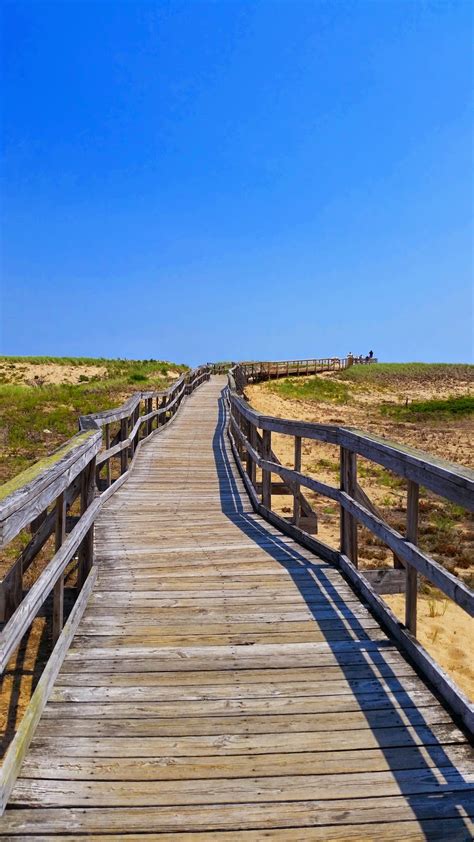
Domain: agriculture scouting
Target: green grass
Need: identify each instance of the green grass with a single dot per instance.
(311, 389)
(386, 374)
(35, 419)
(454, 406)
(115, 369)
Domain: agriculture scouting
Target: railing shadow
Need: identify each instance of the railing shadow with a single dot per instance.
(362, 661)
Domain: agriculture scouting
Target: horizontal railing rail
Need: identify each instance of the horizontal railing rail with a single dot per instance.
(253, 449)
(256, 371)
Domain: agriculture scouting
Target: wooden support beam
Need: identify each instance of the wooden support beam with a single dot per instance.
(266, 475)
(58, 590)
(12, 591)
(86, 550)
(124, 452)
(253, 442)
(149, 408)
(348, 522)
(411, 584)
(249, 460)
(296, 492)
(108, 472)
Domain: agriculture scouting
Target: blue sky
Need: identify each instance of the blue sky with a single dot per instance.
(198, 181)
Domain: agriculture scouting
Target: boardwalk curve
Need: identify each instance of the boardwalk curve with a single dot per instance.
(224, 683)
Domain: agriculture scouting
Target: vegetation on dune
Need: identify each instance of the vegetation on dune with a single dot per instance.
(37, 418)
(310, 389)
(463, 405)
(389, 374)
(119, 369)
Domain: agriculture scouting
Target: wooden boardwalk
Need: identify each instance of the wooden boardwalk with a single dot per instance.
(225, 684)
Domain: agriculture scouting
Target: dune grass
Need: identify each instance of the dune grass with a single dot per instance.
(386, 374)
(311, 389)
(35, 419)
(454, 406)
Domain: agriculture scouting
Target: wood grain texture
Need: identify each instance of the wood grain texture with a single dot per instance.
(226, 683)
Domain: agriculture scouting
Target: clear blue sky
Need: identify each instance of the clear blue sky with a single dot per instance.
(196, 181)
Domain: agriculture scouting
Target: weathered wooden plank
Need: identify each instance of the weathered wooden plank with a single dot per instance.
(306, 685)
(121, 745)
(437, 830)
(53, 793)
(38, 765)
(243, 724)
(249, 815)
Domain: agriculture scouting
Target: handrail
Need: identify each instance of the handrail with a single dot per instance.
(453, 482)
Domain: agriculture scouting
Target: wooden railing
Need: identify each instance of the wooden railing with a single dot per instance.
(40, 498)
(251, 439)
(256, 371)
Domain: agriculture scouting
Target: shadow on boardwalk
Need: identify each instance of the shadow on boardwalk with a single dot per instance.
(319, 594)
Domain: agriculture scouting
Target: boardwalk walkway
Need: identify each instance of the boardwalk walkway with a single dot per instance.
(225, 684)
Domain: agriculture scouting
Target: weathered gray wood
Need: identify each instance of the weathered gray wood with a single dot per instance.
(445, 686)
(454, 482)
(11, 590)
(386, 580)
(58, 590)
(447, 479)
(180, 537)
(411, 592)
(289, 475)
(124, 441)
(348, 465)
(86, 549)
(19, 746)
(296, 498)
(10, 586)
(16, 626)
(266, 474)
(453, 587)
(38, 486)
(149, 414)
(108, 468)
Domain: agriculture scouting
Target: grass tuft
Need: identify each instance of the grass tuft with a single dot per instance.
(36, 418)
(455, 406)
(388, 374)
(311, 389)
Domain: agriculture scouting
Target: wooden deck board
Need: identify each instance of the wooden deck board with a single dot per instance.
(226, 684)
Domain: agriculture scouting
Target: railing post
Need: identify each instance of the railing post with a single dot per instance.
(411, 582)
(134, 419)
(249, 460)
(58, 590)
(149, 408)
(253, 441)
(123, 453)
(108, 467)
(348, 522)
(266, 475)
(86, 550)
(240, 446)
(296, 491)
